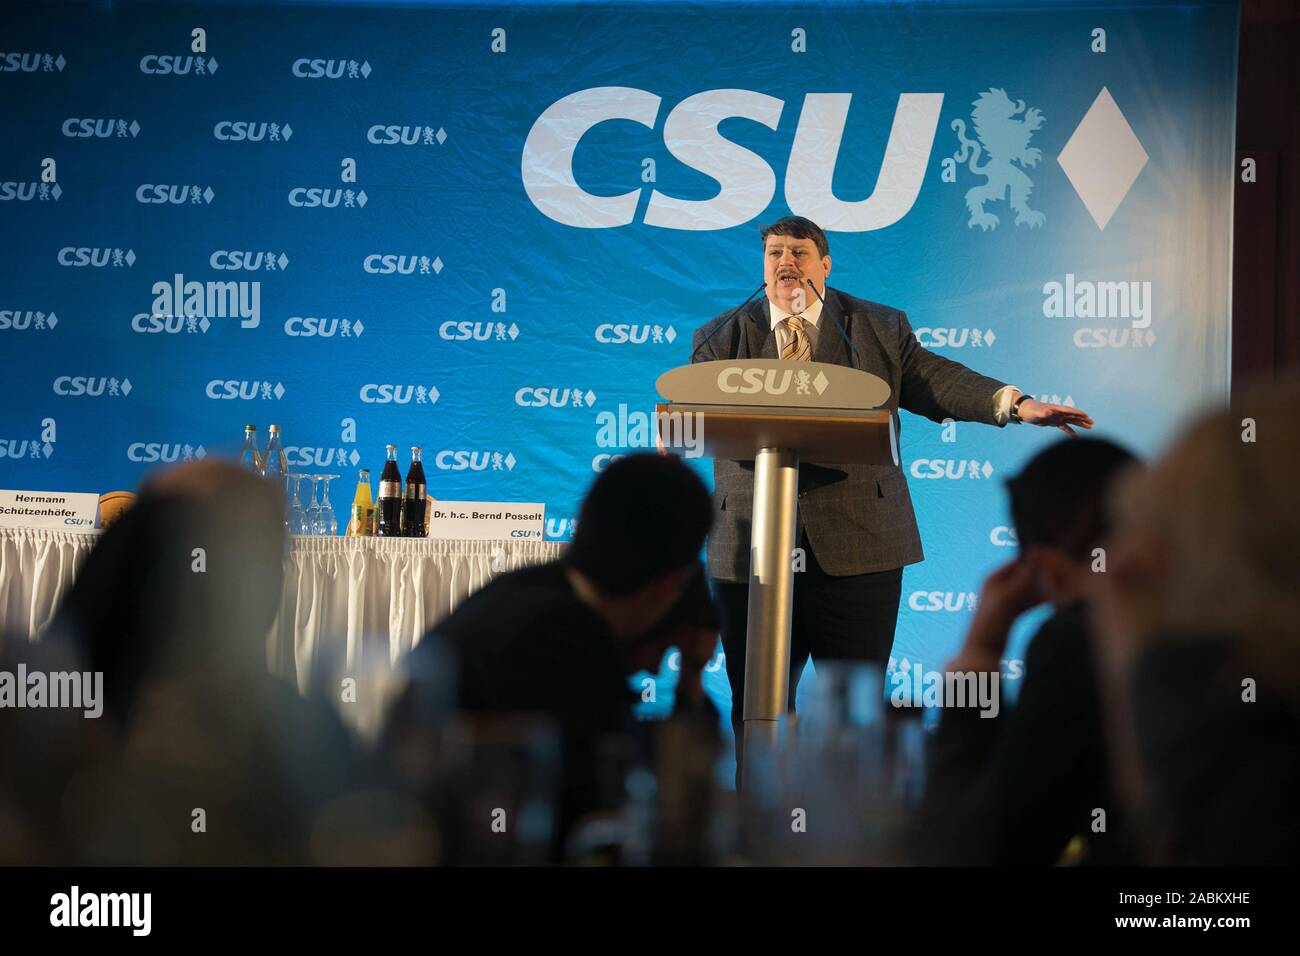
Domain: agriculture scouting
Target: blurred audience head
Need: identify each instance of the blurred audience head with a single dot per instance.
(187, 580)
(174, 607)
(638, 539)
(1208, 539)
(1197, 624)
(1059, 509)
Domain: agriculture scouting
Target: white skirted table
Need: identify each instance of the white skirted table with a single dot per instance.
(345, 599)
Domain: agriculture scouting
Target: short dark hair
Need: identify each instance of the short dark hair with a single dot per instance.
(797, 227)
(645, 515)
(1059, 499)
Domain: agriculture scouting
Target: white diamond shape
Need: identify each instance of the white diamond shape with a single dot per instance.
(433, 394)
(510, 460)
(357, 327)
(440, 136)
(1150, 337)
(1102, 158)
(361, 199)
(283, 261)
(135, 129)
(279, 391)
(208, 194)
(130, 257)
(52, 320)
(670, 334)
(365, 69)
(204, 324)
(126, 386)
(513, 331)
(212, 64)
(60, 62)
(286, 131)
(200, 452)
(987, 469)
(48, 449)
(590, 397)
(57, 191)
(989, 337)
(437, 264)
(354, 458)
(820, 382)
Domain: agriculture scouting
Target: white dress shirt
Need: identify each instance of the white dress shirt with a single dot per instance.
(1002, 398)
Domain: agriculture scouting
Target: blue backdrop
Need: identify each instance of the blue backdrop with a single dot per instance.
(478, 228)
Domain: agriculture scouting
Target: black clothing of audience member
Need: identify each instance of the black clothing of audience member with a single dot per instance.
(1224, 772)
(1016, 788)
(1020, 785)
(526, 643)
(561, 639)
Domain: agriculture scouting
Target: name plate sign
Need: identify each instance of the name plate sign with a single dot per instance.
(487, 520)
(70, 510)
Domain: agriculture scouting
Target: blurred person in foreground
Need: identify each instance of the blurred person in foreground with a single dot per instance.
(1018, 787)
(203, 756)
(1198, 622)
(560, 640)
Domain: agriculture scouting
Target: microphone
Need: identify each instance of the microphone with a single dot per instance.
(723, 324)
(826, 311)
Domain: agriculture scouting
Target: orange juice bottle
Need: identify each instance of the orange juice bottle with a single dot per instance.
(361, 521)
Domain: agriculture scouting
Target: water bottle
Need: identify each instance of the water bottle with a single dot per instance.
(274, 465)
(249, 457)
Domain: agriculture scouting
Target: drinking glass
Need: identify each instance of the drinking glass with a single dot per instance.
(327, 523)
(313, 509)
(294, 521)
(835, 767)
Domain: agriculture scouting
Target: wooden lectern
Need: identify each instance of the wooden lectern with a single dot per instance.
(775, 413)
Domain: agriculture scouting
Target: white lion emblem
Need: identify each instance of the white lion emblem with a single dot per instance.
(1005, 141)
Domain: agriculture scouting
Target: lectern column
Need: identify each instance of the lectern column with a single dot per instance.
(771, 594)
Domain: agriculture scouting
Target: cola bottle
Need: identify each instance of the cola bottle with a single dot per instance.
(388, 508)
(415, 500)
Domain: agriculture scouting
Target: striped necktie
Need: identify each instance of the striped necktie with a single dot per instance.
(797, 348)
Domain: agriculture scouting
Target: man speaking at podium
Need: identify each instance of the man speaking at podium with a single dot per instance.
(854, 522)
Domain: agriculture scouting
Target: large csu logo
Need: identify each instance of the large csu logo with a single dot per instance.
(747, 181)
(1101, 159)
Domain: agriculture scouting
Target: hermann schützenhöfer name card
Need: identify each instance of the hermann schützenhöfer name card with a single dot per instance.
(70, 510)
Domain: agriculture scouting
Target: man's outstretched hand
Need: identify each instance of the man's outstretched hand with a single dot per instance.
(1034, 412)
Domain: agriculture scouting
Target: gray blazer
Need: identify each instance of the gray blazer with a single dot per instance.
(858, 518)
